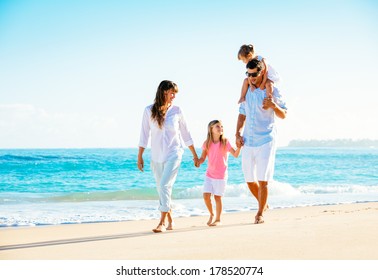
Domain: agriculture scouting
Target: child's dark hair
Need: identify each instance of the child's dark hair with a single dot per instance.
(246, 51)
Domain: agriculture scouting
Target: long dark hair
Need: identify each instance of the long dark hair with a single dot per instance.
(160, 107)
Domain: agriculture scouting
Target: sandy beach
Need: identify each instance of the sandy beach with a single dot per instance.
(334, 232)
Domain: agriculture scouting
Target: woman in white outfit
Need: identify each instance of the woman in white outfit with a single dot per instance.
(166, 125)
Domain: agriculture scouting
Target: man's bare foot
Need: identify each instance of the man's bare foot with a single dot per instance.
(170, 225)
(159, 228)
(216, 223)
(259, 220)
(210, 221)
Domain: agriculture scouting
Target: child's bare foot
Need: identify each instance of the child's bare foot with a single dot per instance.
(216, 223)
(210, 221)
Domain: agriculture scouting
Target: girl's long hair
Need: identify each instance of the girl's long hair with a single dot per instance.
(210, 139)
(160, 107)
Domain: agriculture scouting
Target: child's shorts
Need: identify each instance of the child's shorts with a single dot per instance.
(214, 186)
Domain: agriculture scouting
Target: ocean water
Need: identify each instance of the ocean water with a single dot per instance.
(64, 186)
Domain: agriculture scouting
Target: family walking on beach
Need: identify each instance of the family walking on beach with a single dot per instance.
(260, 103)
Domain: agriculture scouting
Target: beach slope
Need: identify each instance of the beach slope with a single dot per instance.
(332, 232)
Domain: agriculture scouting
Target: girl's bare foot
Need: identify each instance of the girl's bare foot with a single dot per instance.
(210, 221)
(216, 223)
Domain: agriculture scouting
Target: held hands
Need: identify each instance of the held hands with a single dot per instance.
(196, 162)
(239, 141)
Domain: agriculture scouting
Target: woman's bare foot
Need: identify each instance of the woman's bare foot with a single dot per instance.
(210, 221)
(159, 228)
(216, 223)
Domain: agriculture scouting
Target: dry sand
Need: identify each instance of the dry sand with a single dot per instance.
(337, 232)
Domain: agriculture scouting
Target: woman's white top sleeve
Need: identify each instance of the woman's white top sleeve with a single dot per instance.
(166, 142)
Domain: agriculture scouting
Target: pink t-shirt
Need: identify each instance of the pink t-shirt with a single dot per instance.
(217, 157)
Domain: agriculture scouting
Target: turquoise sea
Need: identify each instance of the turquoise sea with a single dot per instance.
(63, 186)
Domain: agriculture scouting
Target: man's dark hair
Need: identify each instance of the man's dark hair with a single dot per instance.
(255, 63)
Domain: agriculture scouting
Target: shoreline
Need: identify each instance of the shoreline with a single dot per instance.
(326, 232)
(71, 213)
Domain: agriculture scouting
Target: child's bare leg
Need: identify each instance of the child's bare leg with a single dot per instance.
(207, 199)
(243, 90)
(219, 207)
(269, 90)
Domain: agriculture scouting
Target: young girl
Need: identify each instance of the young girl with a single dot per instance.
(216, 148)
(270, 76)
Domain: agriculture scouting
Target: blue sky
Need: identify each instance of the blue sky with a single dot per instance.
(79, 73)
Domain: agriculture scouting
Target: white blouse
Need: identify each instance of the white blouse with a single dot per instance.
(166, 142)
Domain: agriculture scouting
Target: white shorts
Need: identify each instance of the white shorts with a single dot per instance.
(214, 186)
(258, 162)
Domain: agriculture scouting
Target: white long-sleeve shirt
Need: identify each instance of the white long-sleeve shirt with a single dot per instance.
(166, 143)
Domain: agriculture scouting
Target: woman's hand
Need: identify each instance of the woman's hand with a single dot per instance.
(196, 162)
(140, 164)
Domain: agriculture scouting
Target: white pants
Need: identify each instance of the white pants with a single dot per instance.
(165, 176)
(258, 162)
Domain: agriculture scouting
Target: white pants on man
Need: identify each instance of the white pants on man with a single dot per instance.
(258, 162)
